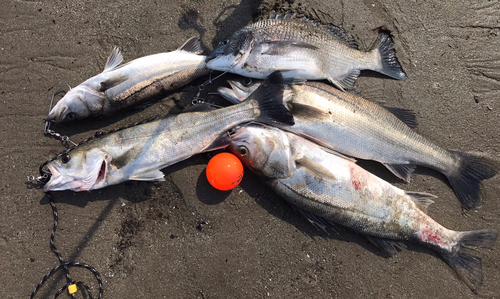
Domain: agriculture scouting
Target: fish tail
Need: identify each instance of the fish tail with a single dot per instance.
(390, 64)
(466, 178)
(468, 267)
(271, 102)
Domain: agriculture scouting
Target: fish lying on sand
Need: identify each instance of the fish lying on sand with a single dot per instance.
(122, 86)
(358, 128)
(300, 48)
(139, 152)
(337, 190)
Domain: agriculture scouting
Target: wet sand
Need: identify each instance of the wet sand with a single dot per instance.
(183, 239)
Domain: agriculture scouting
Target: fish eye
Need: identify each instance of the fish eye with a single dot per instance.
(70, 116)
(247, 82)
(243, 151)
(65, 158)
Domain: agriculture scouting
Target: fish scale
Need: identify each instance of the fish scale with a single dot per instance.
(331, 53)
(339, 191)
(122, 86)
(379, 135)
(299, 48)
(139, 152)
(361, 129)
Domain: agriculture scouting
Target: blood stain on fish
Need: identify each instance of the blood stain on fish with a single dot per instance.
(430, 237)
(356, 183)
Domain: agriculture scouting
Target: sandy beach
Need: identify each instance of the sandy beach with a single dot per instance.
(183, 239)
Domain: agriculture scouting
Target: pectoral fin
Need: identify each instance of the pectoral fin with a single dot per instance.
(325, 146)
(317, 168)
(153, 175)
(222, 142)
(294, 80)
(112, 82)
(308, 112)
(127, 157)
(277, 47)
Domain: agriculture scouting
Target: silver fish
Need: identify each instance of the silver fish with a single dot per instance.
(122, 86)
(330, 188)
(300, 48)
(139, 152)
(358, 128)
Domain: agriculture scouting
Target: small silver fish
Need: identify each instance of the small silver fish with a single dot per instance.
(122, 86)
(139, 152)
(299, 48)
(336, 190)
(361, 129)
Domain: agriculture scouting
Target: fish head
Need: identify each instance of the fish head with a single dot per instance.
(263, 149)
(78, 170)
(77, 103)
(240, 89)
(231, 51)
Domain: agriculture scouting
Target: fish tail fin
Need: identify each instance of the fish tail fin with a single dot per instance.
(390, 64)
(467, 177)
(468, 267)
(270, 99)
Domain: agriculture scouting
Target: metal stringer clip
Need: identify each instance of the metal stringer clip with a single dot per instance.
(197, 100)
(47, 131)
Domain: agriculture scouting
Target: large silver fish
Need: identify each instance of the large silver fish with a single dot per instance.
(359, 128)
(299, 48)
(139, 152)
(338, 191)
(122, 86)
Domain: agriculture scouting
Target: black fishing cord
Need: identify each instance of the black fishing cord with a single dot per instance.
(71, 286)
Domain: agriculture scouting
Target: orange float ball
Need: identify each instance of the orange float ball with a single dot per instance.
(224, 171)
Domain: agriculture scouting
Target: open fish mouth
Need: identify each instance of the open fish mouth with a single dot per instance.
(237, 91)
(59, 181)
(234, 94)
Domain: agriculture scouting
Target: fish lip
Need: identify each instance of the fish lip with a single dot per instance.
(211, 56)
(55, 115)
(54, 178)
(218, 51)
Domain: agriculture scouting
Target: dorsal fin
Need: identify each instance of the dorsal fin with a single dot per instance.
(339, 33)
(405, 115)
(114, 59)
(192, 45)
